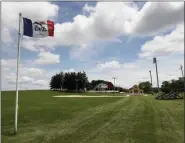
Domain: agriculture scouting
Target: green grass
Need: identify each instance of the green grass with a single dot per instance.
(136, 119)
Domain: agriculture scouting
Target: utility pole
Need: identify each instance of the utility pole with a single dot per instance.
(155, 62)
(114, 83)
(151, 80)
(181, 68)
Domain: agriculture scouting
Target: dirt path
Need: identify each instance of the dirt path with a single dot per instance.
(88, 96)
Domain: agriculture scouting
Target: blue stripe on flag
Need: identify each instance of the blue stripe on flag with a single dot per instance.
(28, 28)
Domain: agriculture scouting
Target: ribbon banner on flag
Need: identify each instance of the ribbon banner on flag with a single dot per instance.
(38, 29)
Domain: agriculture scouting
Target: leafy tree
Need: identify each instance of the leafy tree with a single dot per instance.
(70, 81)
(52, 82)
(55, 82)
(165, 87)
(145, 86)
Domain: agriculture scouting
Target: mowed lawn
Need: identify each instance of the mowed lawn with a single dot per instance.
(136, 119)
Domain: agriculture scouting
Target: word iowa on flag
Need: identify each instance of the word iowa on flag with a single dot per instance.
(38, 29)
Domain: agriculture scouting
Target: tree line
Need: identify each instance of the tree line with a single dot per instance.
(166, 86)
(78, 81)
(172, 85)
(70, 81)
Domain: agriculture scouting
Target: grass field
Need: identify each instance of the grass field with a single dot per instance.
(133, 119)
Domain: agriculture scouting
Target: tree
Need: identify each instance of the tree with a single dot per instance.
(172, 85)
(52, 83)
(145, 86)
(70, 81)
(55, 82)
(62, 80)
(165, 87)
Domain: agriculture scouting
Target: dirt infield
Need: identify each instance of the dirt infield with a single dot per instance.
(87, 96)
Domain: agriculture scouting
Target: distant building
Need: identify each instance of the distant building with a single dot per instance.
(101, 86)
(136, 90)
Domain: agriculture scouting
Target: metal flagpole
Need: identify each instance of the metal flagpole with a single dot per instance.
(17, 79)
(151, 80)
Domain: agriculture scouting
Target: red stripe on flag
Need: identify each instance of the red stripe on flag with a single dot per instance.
(50, 28)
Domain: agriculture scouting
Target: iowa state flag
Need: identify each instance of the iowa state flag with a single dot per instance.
(38, 29)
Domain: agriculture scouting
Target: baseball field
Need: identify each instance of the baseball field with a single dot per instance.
(43, 118)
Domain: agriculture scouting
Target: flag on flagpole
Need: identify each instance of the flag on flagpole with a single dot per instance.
(38, 29)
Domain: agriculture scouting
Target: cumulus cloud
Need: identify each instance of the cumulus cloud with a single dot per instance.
(172, 43)
(32, 10)
(158, 16)
(109, 65)
(106, 21)
(47, 58)
(69, 70)
(29, 77)
(109, 20)
(131, 73)
(40, 82)
(9, 63)
(11, 79)
(6, 38)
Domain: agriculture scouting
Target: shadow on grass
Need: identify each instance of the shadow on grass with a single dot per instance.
(8, 133)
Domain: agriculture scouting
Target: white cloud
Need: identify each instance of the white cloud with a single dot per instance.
(69, 70)
(172, 43)
(9, 63)
(129, 65)
(31, 10)
(47, 58)
(108, 65)
(40, 82)
(112, 19)
(88, 9)
(31, 78)
(25, 79)
(35, 44)
(157, 16)
(11, 79)
(6, 36)
(138, 71)
(106, 21)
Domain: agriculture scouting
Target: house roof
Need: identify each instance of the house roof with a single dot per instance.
(101, 85)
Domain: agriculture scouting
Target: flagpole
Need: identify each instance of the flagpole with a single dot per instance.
(17, 79)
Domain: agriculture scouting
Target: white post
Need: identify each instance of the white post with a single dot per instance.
(114, 83)
(17, 79)
(151, 81)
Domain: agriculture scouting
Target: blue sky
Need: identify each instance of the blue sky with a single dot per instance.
(104, 39)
